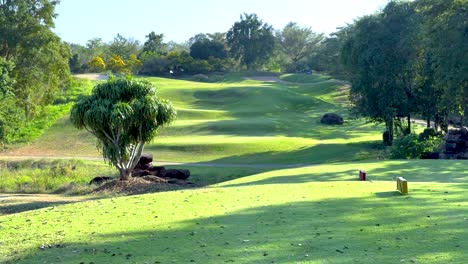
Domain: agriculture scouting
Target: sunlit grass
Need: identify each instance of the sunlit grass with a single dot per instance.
(318, 214)
(239, 121)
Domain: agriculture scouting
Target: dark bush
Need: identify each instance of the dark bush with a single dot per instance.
(410, 147)
(427, 133)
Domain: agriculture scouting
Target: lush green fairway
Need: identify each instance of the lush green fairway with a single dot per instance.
(252, 211)
(318, 214)
(239, 121)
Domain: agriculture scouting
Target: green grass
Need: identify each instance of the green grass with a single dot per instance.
(317, 214)
(239, 121)
(248, 122)
(251, 210)
(45, 176)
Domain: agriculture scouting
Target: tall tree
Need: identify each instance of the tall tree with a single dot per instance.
(297, 42)
(378, 55)
(446, 36)
(251, 41)
(203, 47)
(154, 43)
(123, 47)
(123, 114)
(40, 57)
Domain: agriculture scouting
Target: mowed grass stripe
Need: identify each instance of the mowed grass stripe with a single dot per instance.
(242, 118)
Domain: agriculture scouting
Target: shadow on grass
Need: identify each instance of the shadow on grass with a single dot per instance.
(17, 203)
(318, 154)
(27, 206)
(333, 230)
(440, 171)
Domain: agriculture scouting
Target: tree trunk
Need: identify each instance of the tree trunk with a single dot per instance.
(428, 123)
(465, 105)
(125, 174)
(389, 126)
(409, 125)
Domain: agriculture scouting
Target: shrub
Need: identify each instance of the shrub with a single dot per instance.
(411, 147)
(428, 133)
(96, 64)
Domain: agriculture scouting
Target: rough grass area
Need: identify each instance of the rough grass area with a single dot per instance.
(46, 176)
(318, 214)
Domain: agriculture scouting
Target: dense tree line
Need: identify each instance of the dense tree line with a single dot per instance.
(409, 59)
(250, 44)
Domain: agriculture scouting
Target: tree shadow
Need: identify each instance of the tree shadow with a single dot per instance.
(317, 154)
(27, 206)
(331, 230)
(18, 203)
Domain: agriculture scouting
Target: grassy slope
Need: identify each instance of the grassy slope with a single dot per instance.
(238, 121)
(254, 122)
(316, 214)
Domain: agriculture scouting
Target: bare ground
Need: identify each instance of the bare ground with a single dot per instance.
(92, 76)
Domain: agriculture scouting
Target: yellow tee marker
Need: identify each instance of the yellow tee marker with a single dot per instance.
(402, 185)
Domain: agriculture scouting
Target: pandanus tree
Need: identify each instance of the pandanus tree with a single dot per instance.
(123, 114)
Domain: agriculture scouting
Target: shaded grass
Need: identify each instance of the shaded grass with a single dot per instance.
(304, 78)
(311, 218)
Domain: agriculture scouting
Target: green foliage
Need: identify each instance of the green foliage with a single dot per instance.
(133, 64)
(96, 64)
(204, 47)
(154, 44)
(116, 64)
(75, 64)
(412, 146)
(33, 128)
(15, 129)
(6, 79)
(40, 57)
(444, 32)
(297, 43)
(123, 47)
(181, 63)
(378, 54)
(251, 41)
(429, 133)
(410, 58)
(123, 114)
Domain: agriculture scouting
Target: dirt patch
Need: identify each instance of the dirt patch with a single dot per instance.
(141, 185)
(92, 76)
